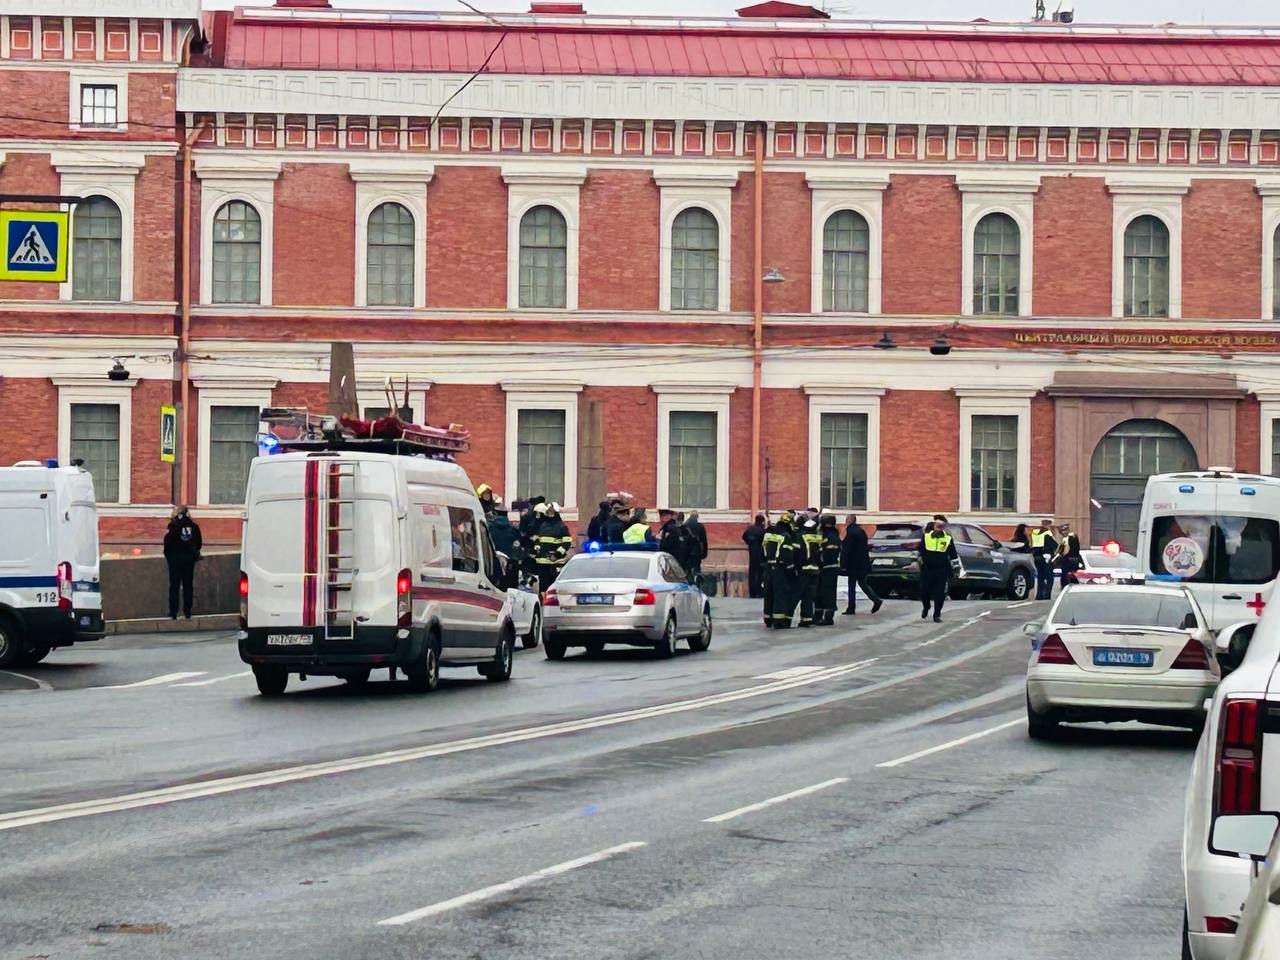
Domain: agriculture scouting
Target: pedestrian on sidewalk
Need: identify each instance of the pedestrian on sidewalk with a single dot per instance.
(182, 544)
(855, 558)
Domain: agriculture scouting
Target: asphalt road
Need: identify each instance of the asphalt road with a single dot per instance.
(865, 790)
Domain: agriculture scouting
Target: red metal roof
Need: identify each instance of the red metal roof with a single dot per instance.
(329, 40)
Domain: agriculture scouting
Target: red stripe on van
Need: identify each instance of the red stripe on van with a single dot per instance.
(310, 543)
(458, 596)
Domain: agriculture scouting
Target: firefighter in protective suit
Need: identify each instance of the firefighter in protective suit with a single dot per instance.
(779, 546)
(810, 564)
(829, 573)
(551, 546)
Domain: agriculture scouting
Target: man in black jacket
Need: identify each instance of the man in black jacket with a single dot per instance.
(855, 559)
(698, 548)
(182, 543)
(753, 537)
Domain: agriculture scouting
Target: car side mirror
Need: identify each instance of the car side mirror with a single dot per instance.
(1247, 835)
(1232, 643)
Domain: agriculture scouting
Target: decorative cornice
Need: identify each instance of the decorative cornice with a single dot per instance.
(1136, 185)
(846, 180)
(565, 175)
(389, 170)
(696, 177)
(999, 181)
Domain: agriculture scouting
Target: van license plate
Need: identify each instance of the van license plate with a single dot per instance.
(288, 639)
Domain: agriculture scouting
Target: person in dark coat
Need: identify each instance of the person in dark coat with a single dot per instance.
(1068, 560)
(674, 538)
(698, 548)
(753, 537)
(855, 560)
(938, 555)
(595, 529)
(182, 544)
(1044, 548)
(829, 572)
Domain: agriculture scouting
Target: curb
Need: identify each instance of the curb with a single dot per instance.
(217, 621)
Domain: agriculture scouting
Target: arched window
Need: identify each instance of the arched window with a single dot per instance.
(997, 245)
(846, 240)
(1146, 268)
(1275, 276)
(544, 240)
(237, 253)
(695, 261)
(95, 251)
(390, 257)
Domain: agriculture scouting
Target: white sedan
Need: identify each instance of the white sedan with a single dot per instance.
(1113, 652)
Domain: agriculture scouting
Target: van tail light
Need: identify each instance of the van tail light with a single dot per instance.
(550, 598)
(1239, 772)
(244, 600)
(1053, 650)
(644, 598)
(1192, 657)
(404, 599)
(65, 585)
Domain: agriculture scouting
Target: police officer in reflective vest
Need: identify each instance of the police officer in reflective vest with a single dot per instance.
(810, 569)
(830, 572)
(937, 553)
(1043, 547)
(779, 545)
(638, 530)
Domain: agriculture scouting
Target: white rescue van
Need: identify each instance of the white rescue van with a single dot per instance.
(1218, 532)
(50, 594)
(356, 559)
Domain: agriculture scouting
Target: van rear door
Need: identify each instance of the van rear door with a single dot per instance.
(83, 555)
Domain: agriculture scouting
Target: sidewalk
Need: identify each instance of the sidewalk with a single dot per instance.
(216, 621)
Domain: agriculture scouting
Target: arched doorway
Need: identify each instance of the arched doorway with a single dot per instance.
(1123, 460)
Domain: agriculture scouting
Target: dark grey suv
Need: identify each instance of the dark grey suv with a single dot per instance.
(990, 567)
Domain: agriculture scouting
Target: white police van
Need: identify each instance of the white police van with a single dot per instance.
(1217, 532)
(50, 594)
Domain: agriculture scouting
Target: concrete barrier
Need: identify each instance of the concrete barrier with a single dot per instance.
(137, 588)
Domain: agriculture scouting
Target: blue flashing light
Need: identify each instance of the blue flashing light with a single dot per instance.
(1247, 491)
(268, 443)
(51, 463)
(593, 546)
(1186, 488)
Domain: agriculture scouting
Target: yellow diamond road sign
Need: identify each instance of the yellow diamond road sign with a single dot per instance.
(35, 245)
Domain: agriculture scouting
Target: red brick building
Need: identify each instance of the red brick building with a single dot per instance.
(702, 233)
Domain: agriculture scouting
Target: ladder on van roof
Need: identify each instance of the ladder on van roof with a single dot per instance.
(340, 570)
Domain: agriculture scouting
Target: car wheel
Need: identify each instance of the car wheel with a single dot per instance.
(358, 680)
(958, 593)
(1019, 585)
(271, 680)
(33, 655)
(553, 648)
(594, 648)
(500, 670)
(534, 636)
(1195, 722)
(10, 642)
(702, 641)
(666, 646)
(424, 676)
(1186, 937)
(1040, 726)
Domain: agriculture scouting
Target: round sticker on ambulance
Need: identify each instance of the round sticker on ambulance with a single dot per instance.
(1183, 557)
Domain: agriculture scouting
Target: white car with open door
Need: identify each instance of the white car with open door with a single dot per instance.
(1236, 772)
(1120, 652)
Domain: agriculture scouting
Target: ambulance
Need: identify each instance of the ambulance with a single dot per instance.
(1217, 532)
(50, 594)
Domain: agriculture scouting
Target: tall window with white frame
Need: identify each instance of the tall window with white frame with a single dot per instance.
(99, 105)
(695, 261)
(95, 439)
(237, 253)
(691, 470)
(997, 246)
(1146, 268)
(540, 454)
(389, 257)
(993, 469)
(95, 250)
(846, 246)
(843, 449)
(544, 257)
(233, 443)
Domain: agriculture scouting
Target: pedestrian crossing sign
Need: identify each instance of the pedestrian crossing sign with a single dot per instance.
(168, 433)
(35, 245)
